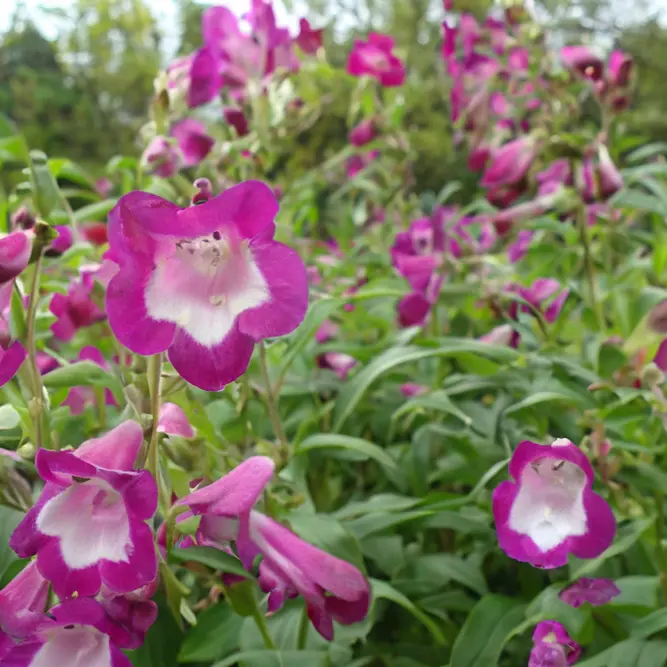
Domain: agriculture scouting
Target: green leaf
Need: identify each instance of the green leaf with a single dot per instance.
(82, 373)
(650, 625)
(332, 441)
(213, 558)
(485, 631)
(96, 212)
(630, 653)
(354, 390)
(277, 659)
(539, 398)
(381, 589)
(438, 401)
(214, 637)
(443, 568)
(9, 519)
(46, 194)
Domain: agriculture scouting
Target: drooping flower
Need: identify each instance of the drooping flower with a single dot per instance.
(162, 157)
(23, 601)
(332, 588)
(309, 40)
(77, 633)
(375, 58)
(79, 397)
(195, 144)
(15, 250)
(550, 509)
(510, 163)
(339, 362)
(237, 119)
(76, 309)
(88, 526)
(596, 592)
(554, 634)
(228, 499)
(173, 421)
(205, 282)
(363, 133)
(63, 241)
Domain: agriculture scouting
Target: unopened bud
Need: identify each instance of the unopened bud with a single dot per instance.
(27, 451)
(652, 376)
(657, 320)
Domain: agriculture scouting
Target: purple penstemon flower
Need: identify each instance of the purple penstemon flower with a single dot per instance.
(550, 509)
(203, 283)
(77, 633)
(172, 420)
(193, 140)
(76, 309)
(553, 646)
(88, 526)
(23, 601)
(596, 592)
(375, 57)
(78, 397)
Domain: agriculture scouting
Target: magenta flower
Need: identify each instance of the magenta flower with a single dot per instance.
(75, 310)
(413, 309)
(338, 362)
(583, 60)
(596, 592)
(12, 353)
(162, 157)
(501, 335)
(550, 510)
(205, 282)
(610, 179)
(237, 119)
(77, 633)
(619, 69)
(23, 602)
(411, 389)
(222, 503)
(554, 634)
(510, 163)
(363, 133)
(103, 187)
(309, 40)
(546, 654)
(332, 588)
(15, 250)
(63, 241)
(538, 295)
(195, 78)
(195, 144)
(135, 612)
(326, 331)
(22, 218)
(173, 421)
(375, 58)
(517, 250)
(79, 397)
(88, 526)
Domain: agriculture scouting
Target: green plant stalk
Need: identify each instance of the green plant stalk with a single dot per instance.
(263, 628)
(272, 402)
(589, 268)
(154, 385)
(660, 550)
(304, 625)
(38, 413)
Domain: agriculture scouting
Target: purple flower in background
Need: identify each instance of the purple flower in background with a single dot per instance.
(338, 362)
(375, 58)
(103, 187)
(309, 40)
(546, 654)
(135, 612)
(88, 526)
(411, 389)
(596, 592)
(79, 397)
(205, 282)
(162, 157)
(610, 179)
(15, 251)
(326, 331)
(63, 241)
(583, 60)
(173, 421)
(517, 250)
(550, 509)
(509, 163)
(23, 601)
(12, 353)
(363, 133)
(237, 119)
(195, 77)
(332, 588)
(552, 633)
(75, 310)
(195, 144)
(537, 295)
(619, 69)
(77, 633)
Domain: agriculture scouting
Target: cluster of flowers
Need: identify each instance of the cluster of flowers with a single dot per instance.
(508, 103)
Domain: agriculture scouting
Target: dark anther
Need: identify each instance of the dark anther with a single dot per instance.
(69, 627)
(559, 465)
(217, 236)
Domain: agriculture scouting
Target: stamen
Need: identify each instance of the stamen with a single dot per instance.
(558, 466)
(217, 300)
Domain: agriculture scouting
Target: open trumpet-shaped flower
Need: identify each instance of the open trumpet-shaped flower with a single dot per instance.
(23, 602)
(89, 525)
(550, 510)
(205, 282)
(78, 633)
(553, 646)
(332, 588)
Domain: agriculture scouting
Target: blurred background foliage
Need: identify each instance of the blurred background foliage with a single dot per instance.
(84, 95)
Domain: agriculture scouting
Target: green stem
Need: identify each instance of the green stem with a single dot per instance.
(304, 625)
(154, 383)
(272, 402)
(659, 534)
(263, 628)
(38, 413)
(589, 268)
